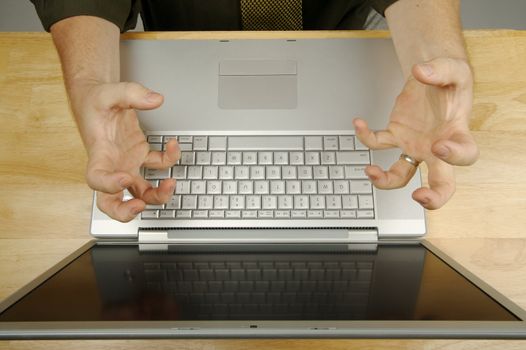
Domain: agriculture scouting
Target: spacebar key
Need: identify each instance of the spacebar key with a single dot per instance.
(263, 143)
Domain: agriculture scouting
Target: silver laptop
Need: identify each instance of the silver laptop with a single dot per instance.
(273, 229)
(267, 141)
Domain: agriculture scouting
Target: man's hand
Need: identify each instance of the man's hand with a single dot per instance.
(429, 122)
(117, 148)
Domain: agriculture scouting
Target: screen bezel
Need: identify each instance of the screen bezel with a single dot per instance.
(265, 329)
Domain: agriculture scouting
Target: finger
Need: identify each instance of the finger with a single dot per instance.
(153, 195)
(129, 95)
(398, 175)
(166, 159)
(459, 149)
(443, 72)
(101, 179)
(441, 178)
(116, 208)
(373, 139)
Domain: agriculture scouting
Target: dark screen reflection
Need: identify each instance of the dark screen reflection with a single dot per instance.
(391, 282)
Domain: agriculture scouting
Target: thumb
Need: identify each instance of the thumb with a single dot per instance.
(459, 149)
(444, 71)
(130, 95)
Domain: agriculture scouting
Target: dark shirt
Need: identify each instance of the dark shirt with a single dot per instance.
(192, 15)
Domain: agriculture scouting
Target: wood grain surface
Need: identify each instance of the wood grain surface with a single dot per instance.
(45, 204)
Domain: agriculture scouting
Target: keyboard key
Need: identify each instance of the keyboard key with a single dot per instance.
(217, 143)
(241, 172)
(350, 202)
(185, 146)
(352, 157)
(182, 187)
(245, 187)
(174, 202)
(234, 158)
(269, 202)
(183, 214)
(315, 214)
(301, 202)
(203, 158)
(285, 202)
(355, 172)
(309, 187)
(218, 158)
(281, 158)
(229, 187)
(341, 187)
(257, 173)
(317, 202)
(265, 158)
(185, 139)
(189, 202)
(348, 214)
(361, 187)
(331, 214)
(330, 143)
(253, 202)
(166, 214)
(179, 172)
(150, 174)
(273, 172)
(187, 158)
(333, 202)
(304, 172)
(365, 214)
(365, 201)
(325, 187)
(336, 172)
(249, 214)
(292, 187)
(210, 172)
(155, 139)
(277, 187)
(200, 143)
(205, 202)
(226, 172)
(221, 202)
(150, 214)
(213, 187)
(282, 214)
(156, 147)
(347, 143)
(312, 158)
(328, 158)
(296, 158)
(216, 214)
(250, 158)
(313, 143)
(359, 146)
(261, 187)
(195, 172)
(237, 202)
(288, 172)
(298, 214)
(198, 187)
(200, 214)
(265, 214)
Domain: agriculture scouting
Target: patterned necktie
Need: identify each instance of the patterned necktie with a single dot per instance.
(271, 14)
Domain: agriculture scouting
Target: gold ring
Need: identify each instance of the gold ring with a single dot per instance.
(410, 160)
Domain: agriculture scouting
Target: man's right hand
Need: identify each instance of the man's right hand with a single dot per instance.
(117, 147)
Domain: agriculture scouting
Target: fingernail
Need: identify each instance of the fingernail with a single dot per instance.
(424, 201)
(152, 96)
(442, 151)
(427, 69)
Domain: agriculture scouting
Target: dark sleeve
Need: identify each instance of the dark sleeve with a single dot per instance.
(381, 5)
(121, 12)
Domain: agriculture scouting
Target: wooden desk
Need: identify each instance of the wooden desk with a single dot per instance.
(45, 204)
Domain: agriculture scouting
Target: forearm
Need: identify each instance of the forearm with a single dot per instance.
(89, 52)
(425, 29)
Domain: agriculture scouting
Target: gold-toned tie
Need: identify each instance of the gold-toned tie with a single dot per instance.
(271, 14)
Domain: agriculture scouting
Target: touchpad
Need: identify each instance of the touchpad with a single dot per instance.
(258, 84)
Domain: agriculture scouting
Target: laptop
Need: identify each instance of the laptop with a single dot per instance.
(273, 229)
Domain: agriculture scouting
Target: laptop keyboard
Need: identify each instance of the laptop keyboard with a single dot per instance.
(265, 178)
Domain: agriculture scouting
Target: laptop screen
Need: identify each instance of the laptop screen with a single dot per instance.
(333, 282)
